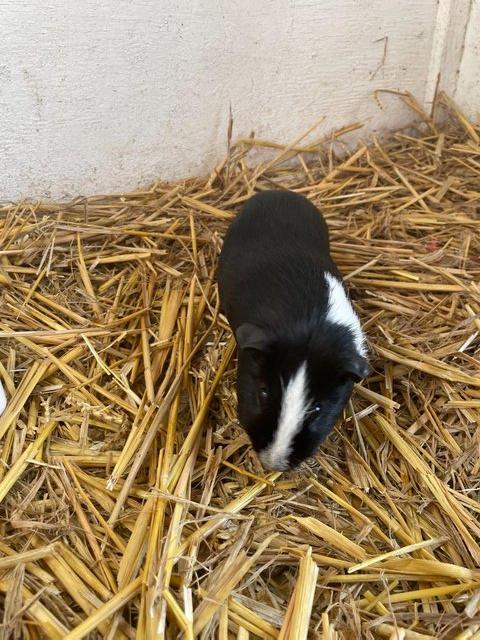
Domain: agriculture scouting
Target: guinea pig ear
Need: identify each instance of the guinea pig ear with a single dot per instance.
(357, 368)
(249, 336)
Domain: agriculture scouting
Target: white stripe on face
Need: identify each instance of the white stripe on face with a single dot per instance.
(340, 311)
(292, 414)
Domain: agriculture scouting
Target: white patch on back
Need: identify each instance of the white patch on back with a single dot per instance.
(340, 311)
(292, 414)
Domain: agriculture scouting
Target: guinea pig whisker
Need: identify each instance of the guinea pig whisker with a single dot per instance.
(311, 410)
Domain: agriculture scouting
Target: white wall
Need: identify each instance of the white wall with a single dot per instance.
(105, 95)
(468, 87)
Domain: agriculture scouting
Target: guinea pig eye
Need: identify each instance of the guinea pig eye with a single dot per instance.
(316, 408)
(313, 414)
(262, 396)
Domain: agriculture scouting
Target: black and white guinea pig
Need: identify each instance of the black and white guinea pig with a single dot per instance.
(300, 343)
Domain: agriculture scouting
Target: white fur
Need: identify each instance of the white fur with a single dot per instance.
(3, 399)
(340, 311)
(292, 413)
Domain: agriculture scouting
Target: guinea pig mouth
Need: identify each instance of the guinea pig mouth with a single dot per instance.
(270, 464)
(276, 467)
(274, 464)
(296, 464)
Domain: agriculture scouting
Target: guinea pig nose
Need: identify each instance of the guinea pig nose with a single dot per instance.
(272, 464)
(264, 460)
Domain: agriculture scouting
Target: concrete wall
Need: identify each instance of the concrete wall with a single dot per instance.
(105, 95)
(467, 92)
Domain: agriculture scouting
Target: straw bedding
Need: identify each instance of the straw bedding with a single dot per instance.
(130, 502)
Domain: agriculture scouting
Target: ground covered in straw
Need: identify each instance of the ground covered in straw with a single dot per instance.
(130, 502)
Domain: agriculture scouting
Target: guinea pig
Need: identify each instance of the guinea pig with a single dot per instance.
(300, 346)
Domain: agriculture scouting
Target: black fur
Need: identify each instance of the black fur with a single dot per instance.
(273, 292)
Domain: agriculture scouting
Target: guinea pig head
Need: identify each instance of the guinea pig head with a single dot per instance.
(292, 392)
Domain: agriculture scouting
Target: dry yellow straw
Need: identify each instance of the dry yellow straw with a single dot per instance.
(121, 446)
(299, 611)
(105, 611)
(397, 552)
